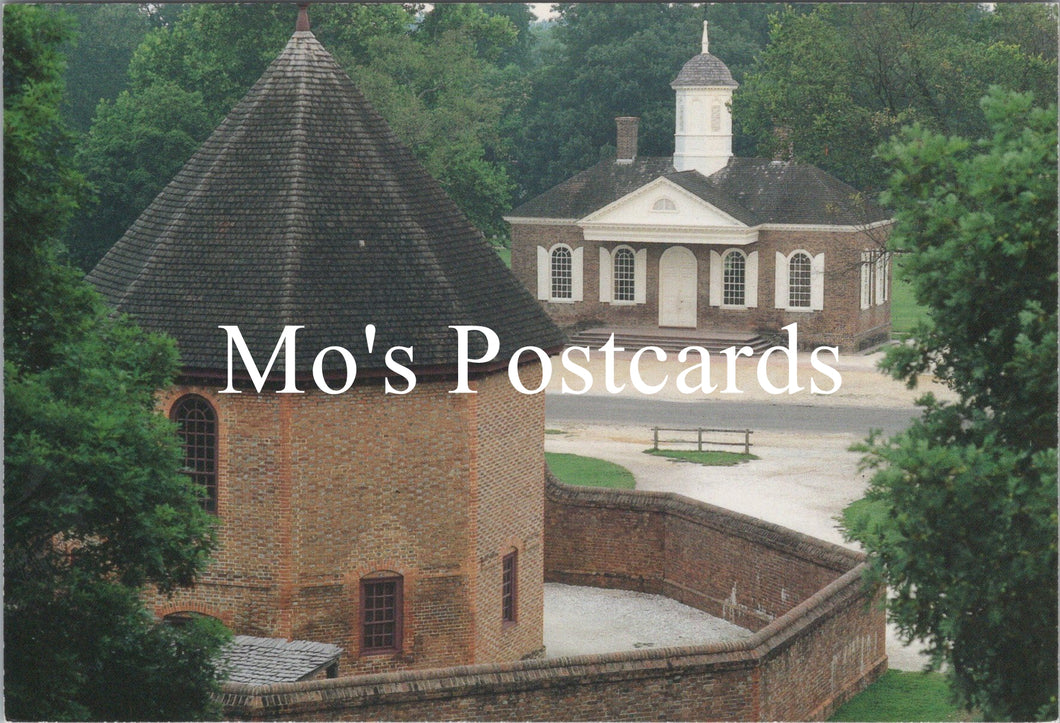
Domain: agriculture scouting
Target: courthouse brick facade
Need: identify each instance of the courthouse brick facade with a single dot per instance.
(842, 321)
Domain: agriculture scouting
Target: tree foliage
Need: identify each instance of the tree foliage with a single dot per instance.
(834, 83)
(962, 514)
(444, 97)
(438, 83)
(95, 506)
(136, 144)
(99, 52)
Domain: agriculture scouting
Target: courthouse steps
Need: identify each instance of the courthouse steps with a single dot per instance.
(669, 340)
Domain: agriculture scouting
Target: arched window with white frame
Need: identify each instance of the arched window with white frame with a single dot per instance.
(734, 278)
(799, 271)
(623, 275)
(799, 281)
(625, 278)
(559, 273)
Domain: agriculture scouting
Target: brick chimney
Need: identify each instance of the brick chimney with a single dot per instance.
(784, 150)
(627, 139)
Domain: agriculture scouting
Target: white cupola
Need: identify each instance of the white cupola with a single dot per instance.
(703, 137)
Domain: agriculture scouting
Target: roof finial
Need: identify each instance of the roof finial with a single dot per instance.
(706, 43)
(303, 18)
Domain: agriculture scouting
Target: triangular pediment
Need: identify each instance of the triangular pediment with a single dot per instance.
(662, 203)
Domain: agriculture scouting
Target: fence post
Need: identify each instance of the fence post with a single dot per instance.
(655, 432)
(747, 441)
(699, 439)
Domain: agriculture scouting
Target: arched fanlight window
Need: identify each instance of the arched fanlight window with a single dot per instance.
(197, 428)
(664, 204)
(799, 287)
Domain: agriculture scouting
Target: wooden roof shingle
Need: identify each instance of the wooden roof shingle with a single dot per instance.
(753, 190)
(303, 208)
(704, 70)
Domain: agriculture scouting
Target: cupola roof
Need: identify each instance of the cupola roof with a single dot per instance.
(303, 208)
(704, 70)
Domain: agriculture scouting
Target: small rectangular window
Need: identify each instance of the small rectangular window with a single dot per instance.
(381, 614)
(509, 589)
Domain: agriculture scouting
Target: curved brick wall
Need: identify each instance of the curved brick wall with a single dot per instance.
(819, 635)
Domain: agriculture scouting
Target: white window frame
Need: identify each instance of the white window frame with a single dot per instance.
(544, 274)
(716, 291)
(631, 271)
(607, 276)
(866, 279)
(880, 270)
(781, 295)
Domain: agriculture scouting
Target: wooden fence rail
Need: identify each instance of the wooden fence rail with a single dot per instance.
(699, 441)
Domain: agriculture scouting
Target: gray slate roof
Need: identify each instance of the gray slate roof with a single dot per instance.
(704, 70)
(303, 208)
(263, 661)
(752, 190)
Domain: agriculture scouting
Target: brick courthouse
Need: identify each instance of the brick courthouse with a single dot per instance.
(703, 240)
(405, 528)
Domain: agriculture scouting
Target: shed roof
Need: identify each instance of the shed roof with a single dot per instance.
(752, 190)
(303, 208)
(263, 661)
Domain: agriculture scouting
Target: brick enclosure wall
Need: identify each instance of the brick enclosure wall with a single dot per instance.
(317, 491)
(813, 649)
(732, 566)
(841, 323)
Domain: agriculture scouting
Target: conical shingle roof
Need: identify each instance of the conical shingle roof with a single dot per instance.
(303, 208)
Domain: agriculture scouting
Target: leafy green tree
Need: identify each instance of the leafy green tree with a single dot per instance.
(106, 37)
(490, 33)
(137, 143)
(961, 518)
(449, 105)
(437, 84)
(95, 506)
(836, 82)
(522, 19)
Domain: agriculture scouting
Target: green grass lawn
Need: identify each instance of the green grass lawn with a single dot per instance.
(709, 458)
(901, 695)
(573, 469)
(904, 310)
(505, 254)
